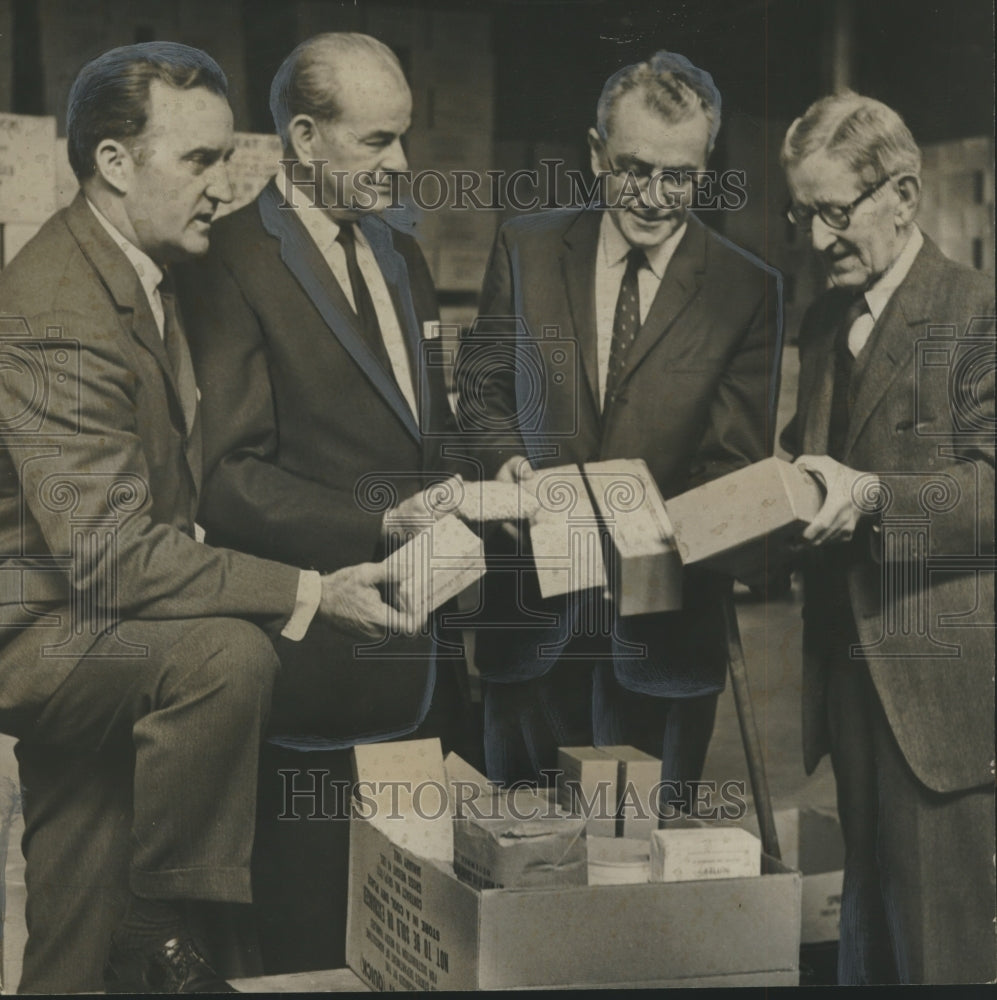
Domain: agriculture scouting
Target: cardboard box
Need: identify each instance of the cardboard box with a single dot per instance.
(811, 842)
(586, 786)
(435, 566)
(521, 840)
(738, 524)
(564, 534)
(638, 776)
(646, 569)
(697, 853)
(414, 925)
(27, 168)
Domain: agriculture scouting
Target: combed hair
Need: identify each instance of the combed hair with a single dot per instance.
(304, 84)
(672, 87)
(109, 98)
(862, 131)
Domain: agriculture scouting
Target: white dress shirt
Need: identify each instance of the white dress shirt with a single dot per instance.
(880, 293)
(610, 266)
(323, 230)
(150, 276)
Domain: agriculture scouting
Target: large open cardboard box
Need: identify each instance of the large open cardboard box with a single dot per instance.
(414, 925)
(811, 841)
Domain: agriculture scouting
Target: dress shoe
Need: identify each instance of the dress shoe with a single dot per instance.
(176, 966)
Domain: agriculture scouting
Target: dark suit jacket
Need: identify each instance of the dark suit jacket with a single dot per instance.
(923, 420)
(695, 403)
(100, 470)
(306, 440)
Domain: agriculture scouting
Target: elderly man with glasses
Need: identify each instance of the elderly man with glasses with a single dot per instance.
(896, 417)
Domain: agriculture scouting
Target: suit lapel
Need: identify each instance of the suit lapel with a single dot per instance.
(581, 241)
(303, 260)
(678, 288)
(892, 342)
(123, 284)
(380, 237)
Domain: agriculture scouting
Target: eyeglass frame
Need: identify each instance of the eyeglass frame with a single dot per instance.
(805, 225)
(669, 173)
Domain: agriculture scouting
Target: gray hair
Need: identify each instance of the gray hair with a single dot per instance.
(305, 82)
(672, 87)
(864, 132)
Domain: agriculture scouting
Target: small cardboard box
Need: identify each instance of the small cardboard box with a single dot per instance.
(697, 853)
(646, 570)
(586, 786)
(638, 777)
(811, 842)
(414, 925)
(564, 534)
(435, 566)
(739, 523)
(518, 841)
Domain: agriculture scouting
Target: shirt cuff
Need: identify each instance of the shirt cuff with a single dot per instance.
(305, 605)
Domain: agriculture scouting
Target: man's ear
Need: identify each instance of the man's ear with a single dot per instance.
(115, 164)
(597, 151)
(302, 133)
(909, 189)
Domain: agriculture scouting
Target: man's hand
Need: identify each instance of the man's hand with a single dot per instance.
(838, 518)
(515, 470)
(352, 602)
(423, 509)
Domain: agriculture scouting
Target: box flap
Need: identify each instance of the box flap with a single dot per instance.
(401, 789)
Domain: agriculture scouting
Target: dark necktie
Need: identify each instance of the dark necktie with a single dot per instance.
(363, 304)
(626, 321)
(177, 351)
(844, 377)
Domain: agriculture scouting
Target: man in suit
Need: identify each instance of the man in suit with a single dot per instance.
(307, 322)
(895, 417)
(676, 336)
(136, 663)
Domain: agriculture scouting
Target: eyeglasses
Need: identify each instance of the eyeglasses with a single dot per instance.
(644, 174)
(837, 217)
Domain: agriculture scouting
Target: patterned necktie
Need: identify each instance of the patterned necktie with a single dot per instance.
(178, 353)
(363, 304)
(626, 321)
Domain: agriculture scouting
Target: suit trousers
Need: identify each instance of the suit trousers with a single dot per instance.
(140, 774)
(918, 899)
(579, 702)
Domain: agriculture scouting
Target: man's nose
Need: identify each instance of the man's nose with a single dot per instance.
(821, 234)
(394, 157)
(220, 184)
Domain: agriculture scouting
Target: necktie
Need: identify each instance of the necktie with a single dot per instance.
(363, 304)
(844, 377)
(177, 351)
(626, 321)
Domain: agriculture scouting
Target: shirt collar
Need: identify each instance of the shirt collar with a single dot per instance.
(322, 228)
(879, 294)
(615, 247)
(150, 274)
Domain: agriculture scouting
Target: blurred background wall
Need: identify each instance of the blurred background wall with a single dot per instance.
(504, 84)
